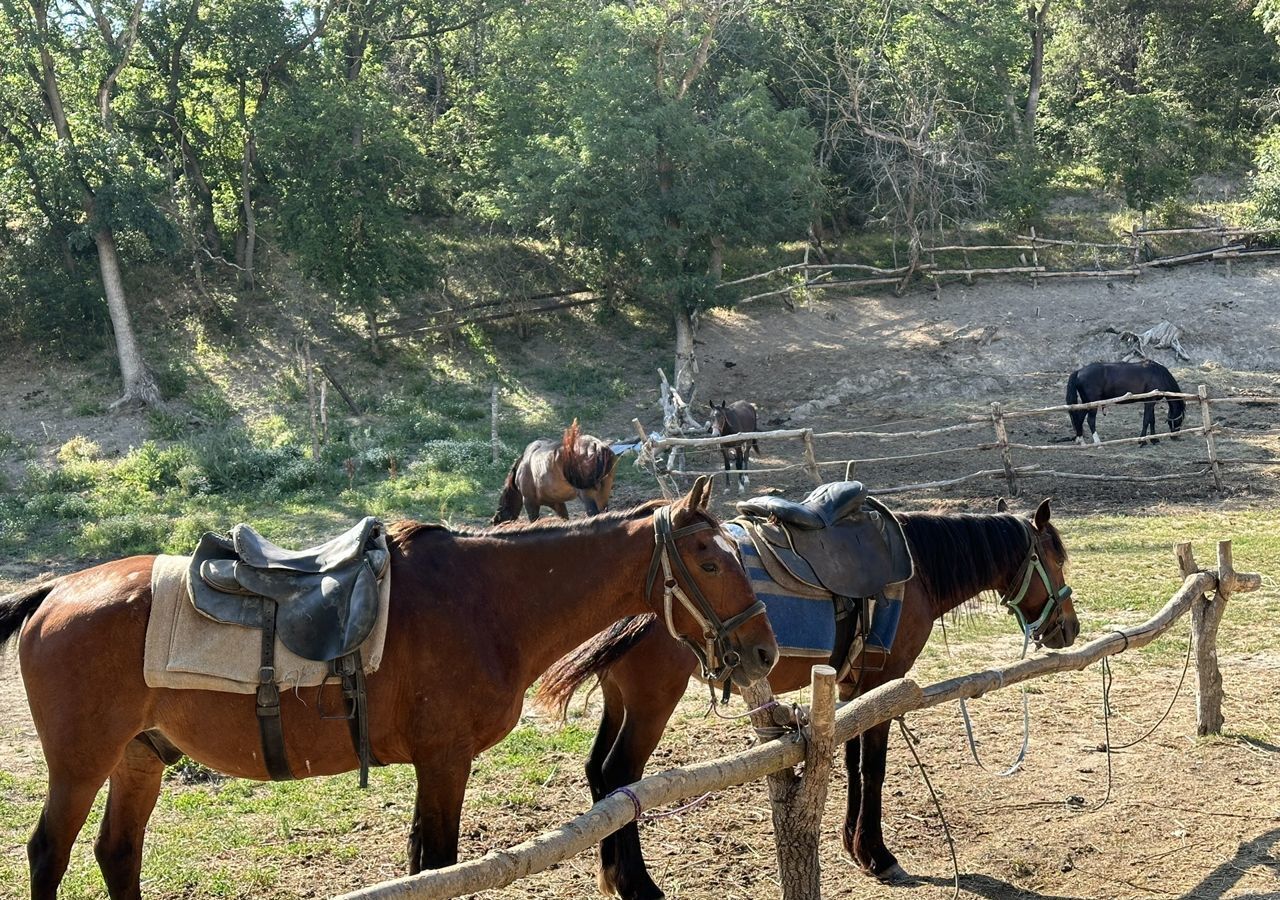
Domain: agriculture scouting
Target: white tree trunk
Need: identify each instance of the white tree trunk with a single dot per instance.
(686, 356)
(139, 384)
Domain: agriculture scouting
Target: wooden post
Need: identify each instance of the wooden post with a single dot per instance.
(1035, 259)
(494, 445)
(1223, 240)
(1215, 467)
(798, 800)
(811, 457)
(1206, 616)
(653, 466)
(1006, 456)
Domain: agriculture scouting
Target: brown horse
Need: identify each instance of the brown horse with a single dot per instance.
(550, 473)
(735, 418)
(644, 673)
(458, 658)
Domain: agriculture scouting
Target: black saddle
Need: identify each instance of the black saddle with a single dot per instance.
(821, 509)
(325, 598)
(839, 537)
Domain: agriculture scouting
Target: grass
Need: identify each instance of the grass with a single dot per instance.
(202, 834)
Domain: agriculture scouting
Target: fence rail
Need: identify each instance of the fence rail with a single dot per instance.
(1211, 465)
(1233, 242)
(499, 868)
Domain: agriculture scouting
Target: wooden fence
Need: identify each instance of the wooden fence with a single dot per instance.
(996, 421)
(828, 727)
(1034, 256)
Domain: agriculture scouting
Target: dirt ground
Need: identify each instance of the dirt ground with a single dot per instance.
(885, 363)
(1184, 819)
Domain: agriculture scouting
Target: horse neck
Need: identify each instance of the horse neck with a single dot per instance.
(957, 557)
(554, 587)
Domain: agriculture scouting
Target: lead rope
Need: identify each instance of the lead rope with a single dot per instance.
(1026, 721)
(911, 740)
(1107, 679)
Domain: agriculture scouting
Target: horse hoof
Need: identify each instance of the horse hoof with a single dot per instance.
(896, 875)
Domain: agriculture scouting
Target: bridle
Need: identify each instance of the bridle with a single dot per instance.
(717, 657)
(1032, 566)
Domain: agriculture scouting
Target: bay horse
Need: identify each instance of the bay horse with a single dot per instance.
(458, 658)
(735, 418)
(551, 473)
(1103, 381)
(643, 673)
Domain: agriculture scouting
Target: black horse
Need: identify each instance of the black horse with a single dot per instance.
(734, 418)
(1103, 381)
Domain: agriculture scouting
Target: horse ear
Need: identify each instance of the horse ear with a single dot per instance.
(1041, 518)
(1002, 505)
(699, 494)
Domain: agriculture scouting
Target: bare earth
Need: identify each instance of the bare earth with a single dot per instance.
(1185, 819)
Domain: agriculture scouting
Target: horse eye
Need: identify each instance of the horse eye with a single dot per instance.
(710, 567)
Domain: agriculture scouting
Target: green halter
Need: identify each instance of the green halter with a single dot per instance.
(1030, 567)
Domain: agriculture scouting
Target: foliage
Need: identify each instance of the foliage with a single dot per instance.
(1142, 141)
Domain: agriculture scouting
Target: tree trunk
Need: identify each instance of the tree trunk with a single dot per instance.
(139, 384)
(1037, 19)
(250, 222)
(686, 367)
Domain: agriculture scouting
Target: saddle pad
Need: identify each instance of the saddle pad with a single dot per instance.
(803, 619)
(184, 649)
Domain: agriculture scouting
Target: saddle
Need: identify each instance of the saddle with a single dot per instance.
(326, 597)
(321, 602)
(838, 539)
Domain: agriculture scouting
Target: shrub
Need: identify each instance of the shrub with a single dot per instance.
(124, 535)
(79, 448)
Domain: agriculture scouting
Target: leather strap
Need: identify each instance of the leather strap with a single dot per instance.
(350, 669)
(269, 726)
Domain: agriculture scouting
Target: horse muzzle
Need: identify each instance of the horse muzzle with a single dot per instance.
(754, 660)
(1063, 634)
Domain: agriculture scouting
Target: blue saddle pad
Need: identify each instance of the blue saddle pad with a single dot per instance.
(804, 626)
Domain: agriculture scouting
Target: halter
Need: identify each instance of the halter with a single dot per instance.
(1032, 566)
(718, 659)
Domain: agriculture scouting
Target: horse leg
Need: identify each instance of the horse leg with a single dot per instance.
(853, 802)
(1149, 421)
(728, 478)
(561, 510)
(744, 480)
(67, 805)
(868, 840)
(1093, 425)
(532, 509)
(135, 785)
(623, 871)
(437, 814)
(610, 724)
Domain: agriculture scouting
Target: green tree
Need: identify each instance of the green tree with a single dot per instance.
(619, 130)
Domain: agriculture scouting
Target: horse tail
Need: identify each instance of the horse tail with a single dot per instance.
(592, 659)
(1073, 397)
(510, 499)
(17, 607)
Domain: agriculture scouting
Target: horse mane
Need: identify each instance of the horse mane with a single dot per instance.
(957, 555)
(403, 532)
(584, 460)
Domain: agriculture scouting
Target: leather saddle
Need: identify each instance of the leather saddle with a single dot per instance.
(324, 599)
(838, 538)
